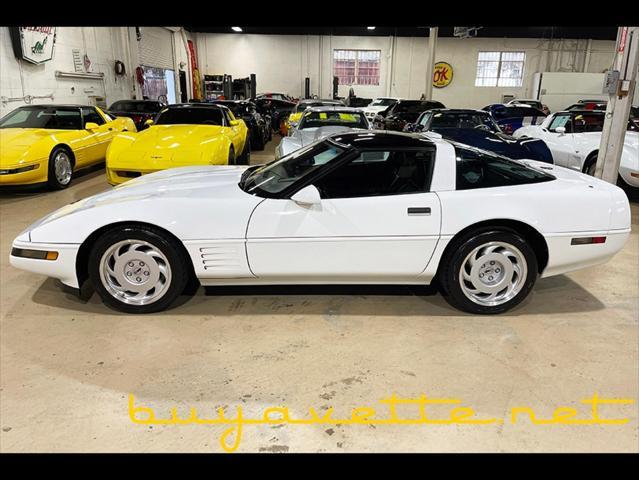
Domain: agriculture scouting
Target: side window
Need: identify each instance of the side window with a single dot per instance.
(588, 123)
(381, 172)
(91, 116)
(425, 119)
(561, 121)
(477, 169)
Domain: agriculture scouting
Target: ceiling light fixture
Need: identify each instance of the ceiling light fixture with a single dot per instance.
(236, 29)
(371, 28)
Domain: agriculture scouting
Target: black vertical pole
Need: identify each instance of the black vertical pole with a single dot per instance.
(307, 87)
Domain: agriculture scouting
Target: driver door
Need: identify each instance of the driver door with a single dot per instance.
(562, 145)
(376, 221)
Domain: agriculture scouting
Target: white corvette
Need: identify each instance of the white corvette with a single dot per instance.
(320, 122)
(358, 207)
(574, 136)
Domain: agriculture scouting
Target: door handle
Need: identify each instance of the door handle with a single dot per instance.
(419, 210)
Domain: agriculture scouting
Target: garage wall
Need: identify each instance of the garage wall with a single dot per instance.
(103, 45)
(282, 61)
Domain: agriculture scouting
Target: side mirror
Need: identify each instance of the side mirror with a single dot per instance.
(560, 130)
(234, 123)
(91, 126)
(148, 123)
(307, 196)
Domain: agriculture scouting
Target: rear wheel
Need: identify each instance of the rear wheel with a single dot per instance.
(590, 166)
(60, 168)
(488, 272)
(138, 269)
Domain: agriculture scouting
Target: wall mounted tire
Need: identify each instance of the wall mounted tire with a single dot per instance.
(138, 269)
(60, 168)
(488, 271)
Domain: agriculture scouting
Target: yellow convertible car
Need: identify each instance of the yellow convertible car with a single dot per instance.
(46, 144)
(181, 135)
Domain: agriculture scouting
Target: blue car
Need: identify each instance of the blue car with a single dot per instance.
(511, 117)
(478, 129)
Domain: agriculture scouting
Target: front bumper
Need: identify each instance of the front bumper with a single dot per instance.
(38, 174)
(63, 267)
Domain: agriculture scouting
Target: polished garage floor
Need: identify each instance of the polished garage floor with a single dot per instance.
(68, 367)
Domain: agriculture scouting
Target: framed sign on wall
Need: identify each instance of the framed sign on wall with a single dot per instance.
(442, 74)
(33, 44)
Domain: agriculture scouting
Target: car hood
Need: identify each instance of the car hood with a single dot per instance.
(310, 135)
(167, 137)
(14, 142)
(213, 183)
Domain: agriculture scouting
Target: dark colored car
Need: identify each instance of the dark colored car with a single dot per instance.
(510, 118)
(277, 109)
(478, 129)
(403, 112)
(137, 110)
(581, 105)
(259, 125)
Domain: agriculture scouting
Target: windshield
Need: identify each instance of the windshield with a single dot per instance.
(325, 119)
(462, 120)
(273, 178)
(416, 107)
(382, 102)
(190, 116)
(127, 106)
(43, 117)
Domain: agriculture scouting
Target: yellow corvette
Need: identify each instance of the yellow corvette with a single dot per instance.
(181, 135)
(46, 144)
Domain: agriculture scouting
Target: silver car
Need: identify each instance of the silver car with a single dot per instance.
(319, 122)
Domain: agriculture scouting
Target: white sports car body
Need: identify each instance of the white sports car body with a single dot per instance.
(319, 122)
(574, 137)
(359, 207)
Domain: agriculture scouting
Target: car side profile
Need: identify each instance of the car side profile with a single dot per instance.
(180, 135)
(48, 144)
(511, 117)
(353, 208)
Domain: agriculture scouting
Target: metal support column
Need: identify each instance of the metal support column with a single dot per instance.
(619, 102)
(432, 48)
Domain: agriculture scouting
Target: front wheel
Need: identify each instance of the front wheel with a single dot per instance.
(231, 158)
(60, 170)
(138, 269)
(488, 272)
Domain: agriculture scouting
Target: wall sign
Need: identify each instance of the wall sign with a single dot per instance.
(442, 74)
(33, 44)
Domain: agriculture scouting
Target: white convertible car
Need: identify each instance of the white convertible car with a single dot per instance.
(320, 122)
(354, 208)
(574, 136)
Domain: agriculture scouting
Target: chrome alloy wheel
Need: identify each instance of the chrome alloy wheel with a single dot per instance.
(493, 273)
(135, 272)
(62, 167)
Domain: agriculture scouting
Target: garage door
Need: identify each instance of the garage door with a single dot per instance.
(156, 47)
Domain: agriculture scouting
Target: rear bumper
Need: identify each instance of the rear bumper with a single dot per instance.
(564, 257)
(63, 268)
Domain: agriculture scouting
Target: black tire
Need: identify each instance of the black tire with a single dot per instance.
(590, 164)
(454, 259)
(245, 158)
(231, 159)
(53, 182)
(180, 273)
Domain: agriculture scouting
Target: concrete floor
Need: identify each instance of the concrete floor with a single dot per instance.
(68, 367)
